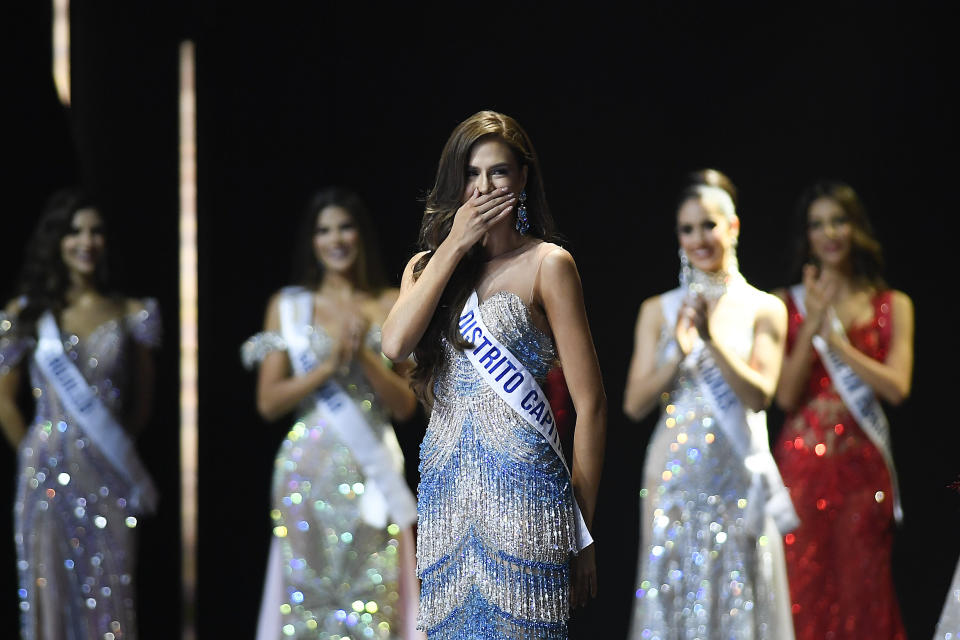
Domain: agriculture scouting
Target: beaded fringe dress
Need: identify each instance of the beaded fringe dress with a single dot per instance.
(75, 534)
(495, 505)
(703, 574)
(335, 575)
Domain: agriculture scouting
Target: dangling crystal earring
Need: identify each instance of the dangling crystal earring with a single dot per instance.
(686, 275)
(523, 223)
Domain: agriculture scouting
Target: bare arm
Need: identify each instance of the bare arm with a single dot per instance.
(391, 385)
(646, 381)
(411, 315)
(755, 382)
(561, 294)
(891, 379)
(278, 392)
(11, 419)
(796, 365)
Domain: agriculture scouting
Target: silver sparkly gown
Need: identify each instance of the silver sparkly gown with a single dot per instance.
(74, 532)
(703, 575)
(495, 506)
(334, 575)
(948, 627)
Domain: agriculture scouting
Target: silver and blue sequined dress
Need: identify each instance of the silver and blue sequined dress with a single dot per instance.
(74, 531)
(703, 574)
(336, 575)
(495, 505)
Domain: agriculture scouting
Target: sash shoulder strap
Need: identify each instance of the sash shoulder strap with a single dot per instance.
(507, 376)
(90, 414)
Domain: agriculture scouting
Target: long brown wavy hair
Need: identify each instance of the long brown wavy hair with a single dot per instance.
(442, 204)
(866, 252)
(44, 278)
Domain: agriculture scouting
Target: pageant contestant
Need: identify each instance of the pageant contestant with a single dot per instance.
(86, 353)
(486, 310)
(850, 344)
(342, 558)
(709, 352)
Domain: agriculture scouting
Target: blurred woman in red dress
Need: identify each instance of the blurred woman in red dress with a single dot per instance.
(849, 346)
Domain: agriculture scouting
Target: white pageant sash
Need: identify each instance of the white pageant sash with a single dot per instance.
(93, 418)
(747, 431)
(386, 489)
(857, 396)
(516, 386)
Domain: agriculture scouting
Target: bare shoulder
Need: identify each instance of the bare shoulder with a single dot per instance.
(770, 307)
(557, 262)
(133, 305)
(902, 304)
(13, 307)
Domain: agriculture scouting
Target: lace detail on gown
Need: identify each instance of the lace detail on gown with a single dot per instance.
(495, 506)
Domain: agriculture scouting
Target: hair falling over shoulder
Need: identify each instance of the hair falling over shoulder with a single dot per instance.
(44, 279)
(442, 204)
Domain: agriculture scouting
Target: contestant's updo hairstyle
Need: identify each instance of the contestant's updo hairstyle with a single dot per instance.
(713, 178)
(442, 204)
(866, 252)
(308, 271)
(44, 278)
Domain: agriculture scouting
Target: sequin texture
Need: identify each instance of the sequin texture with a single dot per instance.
(74, 532)
(703, 572)
(495, 506)
(339, 575)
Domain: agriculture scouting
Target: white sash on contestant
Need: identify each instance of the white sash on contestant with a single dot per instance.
(516, 386)
(386, 490)
(91, 415)
(747, 431)
(857, 396)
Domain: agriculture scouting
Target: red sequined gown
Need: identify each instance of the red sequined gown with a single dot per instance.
(838, 560)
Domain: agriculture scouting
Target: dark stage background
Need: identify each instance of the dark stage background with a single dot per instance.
(620, 106)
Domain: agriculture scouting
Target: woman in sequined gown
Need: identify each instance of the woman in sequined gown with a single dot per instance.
(335, 570)
(75, 518)
(496, 506)
(710, 561)
(839, 559)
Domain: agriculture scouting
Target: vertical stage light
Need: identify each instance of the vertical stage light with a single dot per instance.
(188, 337)
(61, 49)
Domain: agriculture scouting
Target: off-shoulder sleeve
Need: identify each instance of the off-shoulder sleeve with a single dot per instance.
(13, 345)
(145, 325)
(256, 348)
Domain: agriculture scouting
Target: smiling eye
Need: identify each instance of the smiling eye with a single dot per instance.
(685, 229)
(709, 225)
(472, 173)
(319, 231)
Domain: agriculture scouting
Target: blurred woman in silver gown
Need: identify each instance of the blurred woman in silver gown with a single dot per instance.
(86, 353)
(342, 556)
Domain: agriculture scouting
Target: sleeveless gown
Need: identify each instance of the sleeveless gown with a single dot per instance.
(495, 505)
(75, 534)
(330, 574)
(703, 573)
(838, 560)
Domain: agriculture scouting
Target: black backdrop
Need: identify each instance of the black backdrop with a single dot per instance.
(620, 105)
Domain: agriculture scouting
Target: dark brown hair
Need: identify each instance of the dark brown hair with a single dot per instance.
(44, 279)
(308, 271)
(442, 204)
(866, 253)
